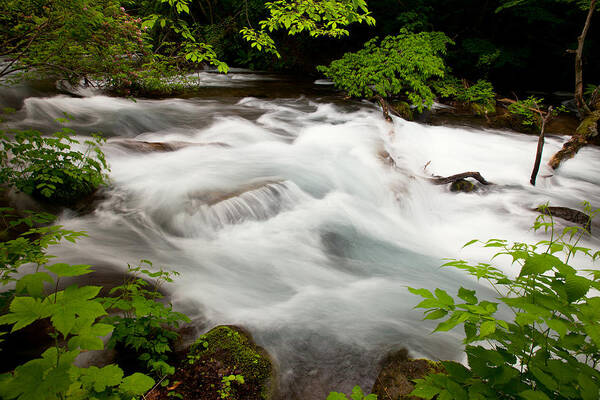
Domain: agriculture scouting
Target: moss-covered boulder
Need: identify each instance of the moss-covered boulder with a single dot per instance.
(402, 108)
(224, 363)
(398, 373)
(463, 185)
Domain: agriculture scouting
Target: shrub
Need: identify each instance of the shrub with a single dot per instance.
(482, 92)
(146, 324)
(48, 168)
(549, 350)
(405, 64)
(74, 315)
(78, 319)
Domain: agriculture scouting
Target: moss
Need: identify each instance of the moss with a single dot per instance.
(462, 185)
(589, 126)
(397, 376)
(235, 349)
(403, 109)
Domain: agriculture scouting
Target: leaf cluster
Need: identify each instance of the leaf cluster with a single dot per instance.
(401, 65)
(548, 349)
(145, 325)
(79, 320)
(75, 315)
(51, 168)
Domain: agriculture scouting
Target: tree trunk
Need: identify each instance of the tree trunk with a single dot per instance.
(581, 105)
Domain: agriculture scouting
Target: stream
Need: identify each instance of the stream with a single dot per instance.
(282, 215)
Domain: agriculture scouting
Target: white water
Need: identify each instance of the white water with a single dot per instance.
(286, 220)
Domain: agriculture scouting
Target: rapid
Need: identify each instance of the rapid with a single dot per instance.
(302, 217)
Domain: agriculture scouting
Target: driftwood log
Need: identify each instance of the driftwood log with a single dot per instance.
(439, 180)
(568, 214)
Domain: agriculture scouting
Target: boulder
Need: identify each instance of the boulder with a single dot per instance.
(398, 373)
(222, 363)
(463, 185)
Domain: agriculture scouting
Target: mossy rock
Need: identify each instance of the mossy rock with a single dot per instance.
(398, 373)
(589, 126)
(222, 352)
(403, 109)
(462, 185)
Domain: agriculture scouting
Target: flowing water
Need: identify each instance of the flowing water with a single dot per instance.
(284, 216)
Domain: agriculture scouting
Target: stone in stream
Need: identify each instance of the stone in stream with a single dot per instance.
(398, 373)
(148, 147)
(213, 366)
(463, 185)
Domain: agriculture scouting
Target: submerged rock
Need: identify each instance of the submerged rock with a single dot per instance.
(222, 363)
(398, 373)
(148, 147)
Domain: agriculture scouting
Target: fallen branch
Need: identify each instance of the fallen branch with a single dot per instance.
(451, 179)
(567, 214)
(587, 130)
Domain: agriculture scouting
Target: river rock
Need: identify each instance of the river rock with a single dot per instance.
(149, 147)
(222, 352)
(398, 373)
(463, 185)
(402, 109)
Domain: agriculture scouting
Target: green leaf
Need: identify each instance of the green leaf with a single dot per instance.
(24, 311)
(436, 314)
(587, 388)
(63, 270)
(74, 304)
(467, 295)
(421, 292)
(424, 389)
(33, 283)
(533, 395)
(487, 328)
(136, 384)
(444, 297)
(89, 337)
(457, 371)
(544, 378)
(101, 378)
(576, 287)
(558, 325)
(539, 263)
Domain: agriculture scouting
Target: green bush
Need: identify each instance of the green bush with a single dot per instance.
(481, 93)
(145, 325)
(401, 65)
(48, 168)
(78, 320)
(549, 349)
